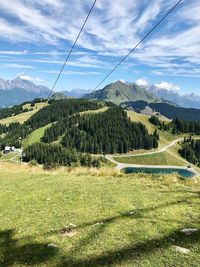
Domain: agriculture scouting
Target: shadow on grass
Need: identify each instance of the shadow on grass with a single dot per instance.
(139, 213)
(133, 251)
(24, 251)
(19, 251)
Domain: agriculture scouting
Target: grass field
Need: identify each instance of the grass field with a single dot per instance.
(165, 137)
(94, 111)
(35, 136)
(21, 118)
(8, 156)
(96, 218)
(163, 158)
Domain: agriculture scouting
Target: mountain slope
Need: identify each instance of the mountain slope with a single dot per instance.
(169, 111)
(17, 91)
(119, 92)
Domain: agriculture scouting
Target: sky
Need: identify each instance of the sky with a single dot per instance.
(36, 35)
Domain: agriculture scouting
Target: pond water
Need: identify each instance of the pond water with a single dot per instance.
(182, 172)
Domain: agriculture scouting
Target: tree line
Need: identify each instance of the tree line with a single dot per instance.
(190, 150)
(177, 126)
(52, 155)
(59, 110)
(108, 132)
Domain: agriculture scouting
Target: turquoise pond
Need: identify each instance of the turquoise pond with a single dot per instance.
(182, 172)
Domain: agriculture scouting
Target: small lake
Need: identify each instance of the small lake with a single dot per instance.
(182, 172)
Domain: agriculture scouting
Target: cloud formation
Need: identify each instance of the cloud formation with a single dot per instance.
(113, 28)
(142, 82)
(167, 86)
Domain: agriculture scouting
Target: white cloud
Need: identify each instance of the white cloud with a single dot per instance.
(23, 52)
(25, 77)
(73, 72)
(113, 28)
(142, 82)
(167, 86)
(18, 66)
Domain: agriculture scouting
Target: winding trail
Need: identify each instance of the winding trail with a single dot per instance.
(125, 165)
(163, 149)
(14, 159)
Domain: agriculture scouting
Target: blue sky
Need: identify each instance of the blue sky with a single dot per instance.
(35, 36)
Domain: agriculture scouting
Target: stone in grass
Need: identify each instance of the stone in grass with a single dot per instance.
(52, 245)
(182, 250)
(189, 231)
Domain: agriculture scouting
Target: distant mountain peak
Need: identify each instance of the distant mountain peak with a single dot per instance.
(187, 100)
(19, 83)
(119, 92)
(13, 92)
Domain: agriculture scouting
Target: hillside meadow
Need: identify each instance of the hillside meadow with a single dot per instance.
(96, 217)
(24, 116)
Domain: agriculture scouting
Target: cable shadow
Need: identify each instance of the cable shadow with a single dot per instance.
(136, 213)
(134, 251)
(30, 253)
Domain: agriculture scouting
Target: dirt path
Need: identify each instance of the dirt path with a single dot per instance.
(125, 165)
(151, 152)
(14, 159)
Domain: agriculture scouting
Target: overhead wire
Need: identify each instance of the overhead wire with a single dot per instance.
(134, 48)
(71, 50)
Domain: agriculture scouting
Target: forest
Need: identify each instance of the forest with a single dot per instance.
(107, 132)
(60, 110)
(177, 126)
(190, 150)
(52, 155)
(78, 133)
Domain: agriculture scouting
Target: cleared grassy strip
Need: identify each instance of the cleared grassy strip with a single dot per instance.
(163, 158)
(94, 111)
(116, 219)
(8, 156)
(21, 118)
(35, 136)
(165, 137)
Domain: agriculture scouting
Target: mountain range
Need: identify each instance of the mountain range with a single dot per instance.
(17, 91)
(187, 100)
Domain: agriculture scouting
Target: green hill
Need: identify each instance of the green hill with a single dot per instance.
(169, 111)
(119, 92)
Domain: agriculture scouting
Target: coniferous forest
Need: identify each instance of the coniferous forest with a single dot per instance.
(78, 134)
(177, 126)
(108, 132)
(191, 151)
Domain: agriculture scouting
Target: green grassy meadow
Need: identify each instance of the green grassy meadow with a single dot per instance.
(21, 118)
(165, 137)
(163, 158)
(89, 217)
(35, 136)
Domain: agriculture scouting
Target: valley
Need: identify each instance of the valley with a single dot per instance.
(99, 133)
(75, 209)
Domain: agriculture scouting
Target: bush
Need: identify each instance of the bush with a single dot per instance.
(33, 162)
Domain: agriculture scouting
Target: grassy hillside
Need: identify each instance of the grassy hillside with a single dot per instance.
(168, 110)
(96, 218)
(35, 136)
(94, 111)
(163, 158)
(165, 137)
(21, 118)
(119, 92)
